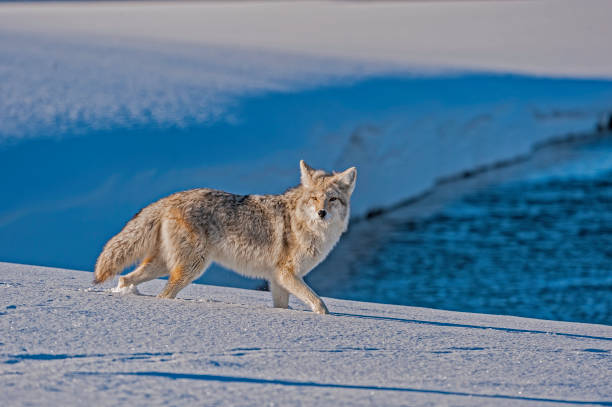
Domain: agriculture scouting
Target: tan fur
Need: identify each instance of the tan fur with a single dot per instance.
(276, 237)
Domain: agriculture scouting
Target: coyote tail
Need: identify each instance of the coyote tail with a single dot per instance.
(137, 238)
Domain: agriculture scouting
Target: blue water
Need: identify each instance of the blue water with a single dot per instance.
(539, 247)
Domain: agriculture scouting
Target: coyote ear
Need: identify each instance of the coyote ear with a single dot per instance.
(306, 173)
(347, 179)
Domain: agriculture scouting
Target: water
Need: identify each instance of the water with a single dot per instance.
(537, 247)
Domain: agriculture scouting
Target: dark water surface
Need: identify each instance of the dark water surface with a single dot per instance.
(538, 247)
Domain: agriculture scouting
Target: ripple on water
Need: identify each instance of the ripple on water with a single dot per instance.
(535, 248)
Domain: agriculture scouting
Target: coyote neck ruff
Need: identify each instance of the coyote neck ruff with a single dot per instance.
(276, 237)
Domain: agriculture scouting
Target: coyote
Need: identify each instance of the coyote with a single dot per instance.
(279, 238)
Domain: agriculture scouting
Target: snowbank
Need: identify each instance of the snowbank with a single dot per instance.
(66, 344)
(558, 37)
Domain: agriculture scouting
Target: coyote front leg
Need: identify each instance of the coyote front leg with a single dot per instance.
(280, 296)
(296, 286)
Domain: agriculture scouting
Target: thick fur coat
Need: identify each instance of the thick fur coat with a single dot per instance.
(280, 238)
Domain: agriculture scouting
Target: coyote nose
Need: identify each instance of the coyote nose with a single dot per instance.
(322, 213)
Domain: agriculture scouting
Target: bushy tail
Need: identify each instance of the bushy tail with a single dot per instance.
(138, 238)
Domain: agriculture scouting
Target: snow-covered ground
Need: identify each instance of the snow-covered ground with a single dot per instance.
(63, 343)
(558, 37)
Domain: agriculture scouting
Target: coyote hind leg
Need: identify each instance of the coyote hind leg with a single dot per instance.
(184, 251)
(149, 269)
(181, 276)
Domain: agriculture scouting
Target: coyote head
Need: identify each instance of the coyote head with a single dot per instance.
(325, 197)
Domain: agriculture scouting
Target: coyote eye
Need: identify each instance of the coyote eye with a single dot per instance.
(332, 199)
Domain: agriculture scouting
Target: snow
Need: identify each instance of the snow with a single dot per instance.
(69, 67)
(126, 290)
(559, 37)
(64, 343)
(57, 85)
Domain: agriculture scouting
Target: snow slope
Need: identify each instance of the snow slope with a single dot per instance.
(558, 37)
(63, 343)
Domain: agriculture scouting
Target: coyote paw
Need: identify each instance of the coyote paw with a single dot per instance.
(123, 290)
(320, 309)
